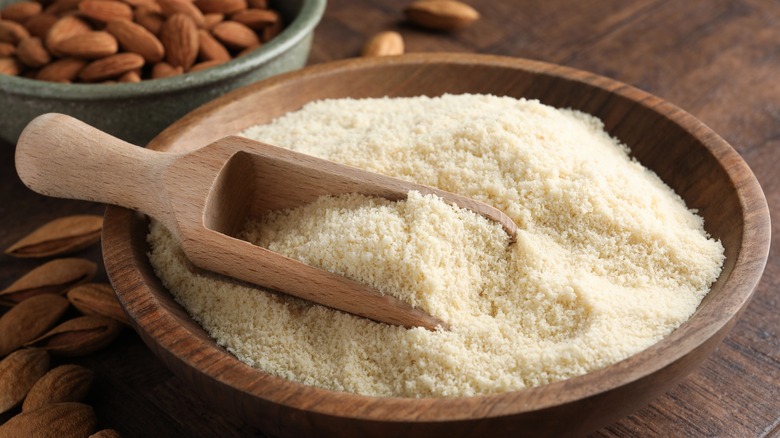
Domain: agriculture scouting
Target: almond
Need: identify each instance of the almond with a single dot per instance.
(164, 70)
(270, 32)
(205, 64)
(9, 66)
(136, 38)
(39, 25)
(446, 15)
(12, 32)
(150, 20)
(235, 35)
(21, 11)
(7, 49)
(186, 7)
(18, 373)
(258, 4)
(105, 10)
(61, 420)
(89, 45)
(59, 236)
(98, 299)
(220, 6)
(149, 4)
(179, 36)
(62, 6)
(211, 20)
(209, 49)
(29, 319)
(62, 70)
(130, 77)
(78, 336)
(384, 44)
(65, 383)
(256, 18)
(111, 66)
(63, 29)
(56, 276)
(106, 433)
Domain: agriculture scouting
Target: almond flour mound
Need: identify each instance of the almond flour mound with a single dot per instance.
(608, 259)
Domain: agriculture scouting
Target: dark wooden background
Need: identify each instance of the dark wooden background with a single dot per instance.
(717, 59)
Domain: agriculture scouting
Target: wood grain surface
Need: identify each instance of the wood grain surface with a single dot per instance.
(717, 59)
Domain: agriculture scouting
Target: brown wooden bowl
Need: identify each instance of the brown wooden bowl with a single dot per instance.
(687, 155)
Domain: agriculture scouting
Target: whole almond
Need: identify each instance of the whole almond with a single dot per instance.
(63, 29)
(39, 25)
(209, 49)
(179, 36)
(21, 11)
(271, 31)
(31, 52)
(135, 38)
(65, 383)
(89, 45)
(130, 77)
(170, 8)
(384, 44)
(62, 70)
(59, 236)
(62, 7)
(204, 65)
(164, 70)
(150, 20)
(57, 420)
(258, 4)
(235, 35)
(29, 319)
(78, 336)
(12, 32)
(446, 15)
(220, 6)
(105, 10)
(56, 276)
(7, 49)
(18, 373)
(97, 299)
(211, 20)
(9, 66)
(256, 18)
(151, 4)
(111, 66)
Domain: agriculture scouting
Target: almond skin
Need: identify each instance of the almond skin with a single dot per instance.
(256, 18)
(39, 25)
(186, 7)
(446, 15)
(21, 11)
(209, 49)
(12, 32)
(18, 373)
(59, 236)
(29, 319)
(62, 70)
(98, 299)
(89, 45)
(7, 49)
(9, 66)
(31, 52)
(56, 276)
(111, 66)
(221, 6)
(164, 70)
(60, 420)
(105, 10)
(204, 65)
(135, 38)
(235, 35)
(179, 36)
(106, 433)
(211, 20)
(384, 44)
(79, 336)
(66, 383)
(150, 20)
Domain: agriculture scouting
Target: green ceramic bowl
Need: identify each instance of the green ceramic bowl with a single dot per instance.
(136, 112)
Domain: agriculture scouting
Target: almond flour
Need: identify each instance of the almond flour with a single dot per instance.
(608, 259)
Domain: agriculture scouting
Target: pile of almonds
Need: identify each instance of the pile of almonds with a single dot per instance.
(54, 310)
(437, 15)
(129, 40)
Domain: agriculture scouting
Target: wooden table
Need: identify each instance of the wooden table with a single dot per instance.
(717, 59)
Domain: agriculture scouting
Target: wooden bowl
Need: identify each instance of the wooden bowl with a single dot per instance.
(687, 155)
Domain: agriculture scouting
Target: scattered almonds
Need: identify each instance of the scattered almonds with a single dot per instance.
(50, 39)
(60, 420)
(66, 383)
(29, 319)
(79, 336)
(97, 299)
(18, 373)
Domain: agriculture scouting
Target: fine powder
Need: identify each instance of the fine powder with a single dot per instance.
(608, 260)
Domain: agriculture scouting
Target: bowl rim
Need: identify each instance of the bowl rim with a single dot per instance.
(748, 268)
(308, 17)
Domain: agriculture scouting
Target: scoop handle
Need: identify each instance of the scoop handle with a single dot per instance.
(59, 156)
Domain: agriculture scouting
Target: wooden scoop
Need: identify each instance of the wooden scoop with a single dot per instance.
(204, 198)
